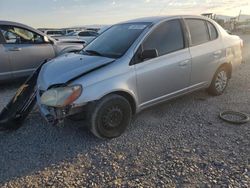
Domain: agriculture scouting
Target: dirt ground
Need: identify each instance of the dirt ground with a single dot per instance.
(181, 143)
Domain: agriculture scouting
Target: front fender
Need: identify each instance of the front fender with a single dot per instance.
(124, 83)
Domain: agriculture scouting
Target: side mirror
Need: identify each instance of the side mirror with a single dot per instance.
(46, 39)
(149, 54)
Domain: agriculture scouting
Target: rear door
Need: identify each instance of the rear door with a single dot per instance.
(26, 49)
(206, 50)
(5, 67)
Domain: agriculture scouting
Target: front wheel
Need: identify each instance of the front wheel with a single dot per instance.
(219, 82)
(110, 117)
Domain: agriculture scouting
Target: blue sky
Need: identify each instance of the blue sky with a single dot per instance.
(63, 13)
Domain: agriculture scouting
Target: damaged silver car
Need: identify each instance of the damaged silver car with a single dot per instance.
(134, 65)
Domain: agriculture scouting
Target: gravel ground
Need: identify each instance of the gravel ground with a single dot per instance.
(181, 143)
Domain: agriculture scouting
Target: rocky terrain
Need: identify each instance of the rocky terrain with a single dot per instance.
(181, 143)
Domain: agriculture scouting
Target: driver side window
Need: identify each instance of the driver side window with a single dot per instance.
(16, 35)
(10, 38)
(166, 38)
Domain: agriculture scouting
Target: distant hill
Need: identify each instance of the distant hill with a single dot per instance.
(243, 17)
(223, 17)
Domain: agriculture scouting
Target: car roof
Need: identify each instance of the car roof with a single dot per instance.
(10, 23)
(52, 30)
(157, 19)
(87, 31)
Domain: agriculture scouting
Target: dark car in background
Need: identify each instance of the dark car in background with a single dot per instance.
(53, 32)
(85, 36)
(23, 48)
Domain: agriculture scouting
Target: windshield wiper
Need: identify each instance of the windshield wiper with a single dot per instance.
(93, 52)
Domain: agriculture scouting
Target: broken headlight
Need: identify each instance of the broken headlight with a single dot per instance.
(61, 96)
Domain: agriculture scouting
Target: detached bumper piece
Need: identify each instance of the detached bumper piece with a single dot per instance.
(16, 111)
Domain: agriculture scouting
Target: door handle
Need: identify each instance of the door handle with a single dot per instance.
(184, 63)
(15, 49)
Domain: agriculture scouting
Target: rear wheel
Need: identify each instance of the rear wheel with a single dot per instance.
(219, 82)
(110, 117)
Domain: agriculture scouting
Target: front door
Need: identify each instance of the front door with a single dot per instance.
(26, 49)
(5, 67)
(168, 74)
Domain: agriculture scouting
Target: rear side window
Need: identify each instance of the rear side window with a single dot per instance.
(213, 31)
(54, 32)
(94, 34)
(198, 31)
(85, 34)
(167, 38)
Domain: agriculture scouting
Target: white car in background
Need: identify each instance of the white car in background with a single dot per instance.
(85, 36)
(53, 33)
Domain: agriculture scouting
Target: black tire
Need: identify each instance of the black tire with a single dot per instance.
(110, 117)
(241, 117)
(219, 84)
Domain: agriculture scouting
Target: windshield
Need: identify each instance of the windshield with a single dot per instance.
(117, 40)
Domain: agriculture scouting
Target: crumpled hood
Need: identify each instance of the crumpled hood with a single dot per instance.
(67, 67)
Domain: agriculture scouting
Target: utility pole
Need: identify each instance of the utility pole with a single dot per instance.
(239, 16)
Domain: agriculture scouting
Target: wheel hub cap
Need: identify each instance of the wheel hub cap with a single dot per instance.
(113, 117)
(221, 81)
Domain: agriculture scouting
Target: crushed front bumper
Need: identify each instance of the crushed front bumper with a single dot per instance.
(55, 115)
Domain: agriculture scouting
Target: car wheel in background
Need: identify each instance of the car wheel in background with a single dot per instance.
(110, 117)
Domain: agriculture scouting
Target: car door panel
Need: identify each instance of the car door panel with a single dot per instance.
(26, 49)
(25, 58)
(162, 76)
(5, 66)
(206, 50)
(169, 73)
(205, 61)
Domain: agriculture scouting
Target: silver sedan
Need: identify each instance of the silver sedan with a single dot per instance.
(134, 65)
(22, 49)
